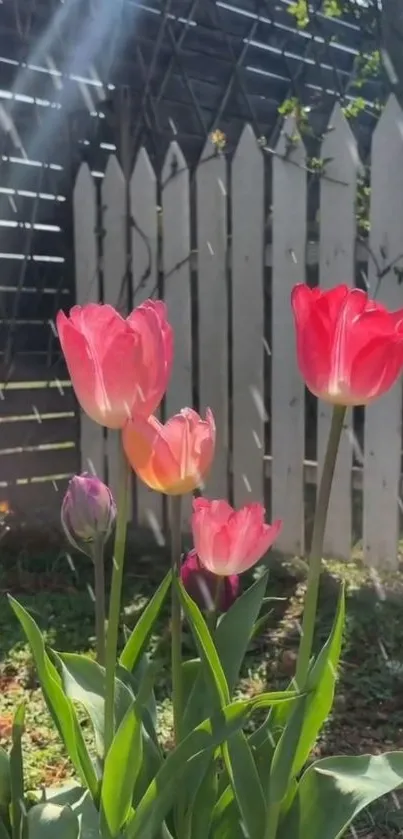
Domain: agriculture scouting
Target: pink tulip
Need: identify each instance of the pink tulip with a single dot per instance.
(349, 347)
(201, 585)
(119, 367)
(231, 541)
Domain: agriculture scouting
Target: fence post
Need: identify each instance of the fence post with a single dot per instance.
(338, 191)
(383, 420)
(248, 409)
(287, 388)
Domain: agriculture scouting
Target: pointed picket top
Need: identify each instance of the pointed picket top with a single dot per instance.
(290, 143)
(143, 201)
(389, 123)
(339, 148)
(84, 179)
(143, 168)
(175, 161)
(247, 143)
(113, 170)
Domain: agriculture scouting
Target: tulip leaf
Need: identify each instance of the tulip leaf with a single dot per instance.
(138, 639)
(122, 766)
(206, 647)
(320, 686)
(179, 765)
(235, 628)
(201, 812)
(162, 792)
(82, 805)
(333, 791)
(84, 682)
(48, 820)
(60, 706)
(284, 753)
(245, 783)
(232, 637)
(18, 817)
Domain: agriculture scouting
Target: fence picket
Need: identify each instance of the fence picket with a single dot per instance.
(115, 276)
(248, 412)
(383, 420)
(87, 291)
(338, 190)
(176, 277)
(211, 181)
(143, 202)
(287, 388)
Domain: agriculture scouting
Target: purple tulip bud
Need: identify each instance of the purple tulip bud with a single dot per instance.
(88, 512)
(201, 585)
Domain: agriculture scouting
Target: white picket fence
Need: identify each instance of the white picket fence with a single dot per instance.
(229, 272)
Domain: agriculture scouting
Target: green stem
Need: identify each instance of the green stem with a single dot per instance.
(99, 578)
(176, 618)
(215, 611)
(315, 558)
(115, 598)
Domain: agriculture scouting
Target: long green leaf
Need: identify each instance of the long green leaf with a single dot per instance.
(48, 821)
(201, 812)
(321, 686)
(333, 791)
(235, 628)
(140, 635)
(280, 774)
(60, 707)
(162, 792)
(121, 770)
(245, 783)
(84, 682)
(206, 646)
(18, 817)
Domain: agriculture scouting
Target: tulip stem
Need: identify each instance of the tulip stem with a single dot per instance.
(176, 617)
(315, 557)
(99, 580)
(115, 598)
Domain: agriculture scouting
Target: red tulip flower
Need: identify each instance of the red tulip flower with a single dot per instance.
(231, 541)
(202, 585)
(349, 347)
(118, 367)
(172, 458)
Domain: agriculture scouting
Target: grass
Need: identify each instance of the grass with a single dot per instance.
(368, 711)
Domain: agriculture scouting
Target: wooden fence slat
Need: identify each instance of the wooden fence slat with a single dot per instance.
(39, 462)
(383, 421)
(143, 200)
(176, 275)
(247, 319)
(37, 431)
(87, 290)
(288, 393)
(115, 262)
(211, 182)
(36, 503)
(28, 401)
(337, 265)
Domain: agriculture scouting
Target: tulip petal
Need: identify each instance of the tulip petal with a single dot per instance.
(82, 369)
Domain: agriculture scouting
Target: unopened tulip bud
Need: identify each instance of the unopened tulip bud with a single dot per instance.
(202, 585)
(88, 512)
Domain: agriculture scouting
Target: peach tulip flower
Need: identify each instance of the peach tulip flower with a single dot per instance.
(173, 458)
